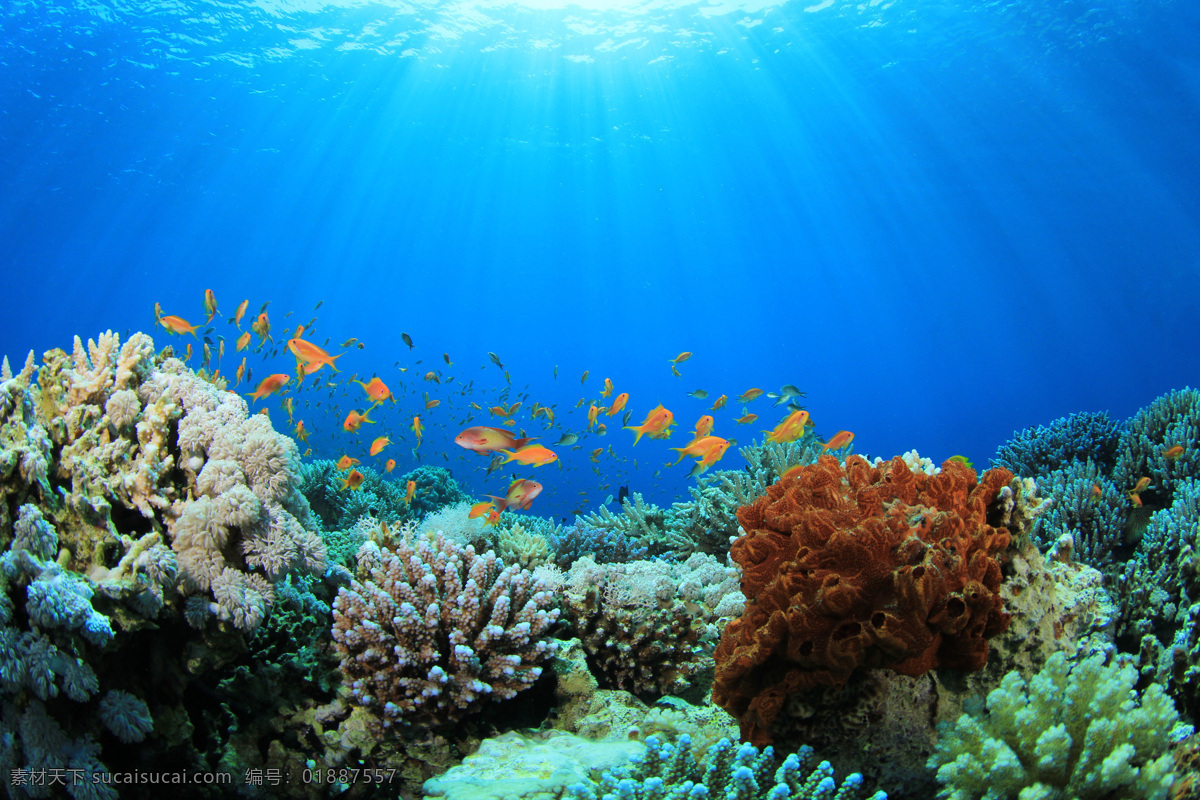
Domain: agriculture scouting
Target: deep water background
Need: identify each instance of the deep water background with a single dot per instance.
(943, 221)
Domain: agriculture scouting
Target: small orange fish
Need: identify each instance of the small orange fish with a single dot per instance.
(1096, 493)
(520, 495)
(748, 395)
(792, 471)
(790, 429)
(618, 404)
(596, 454)
(391, 465)
(346, 462)
(378, 445)
(410, 490)
(1173, 453)
(432, 376)
(241, 312)
(301, 431)
(270, 385)
(719, 403)
(699, 448)
(839, 440)
(417, 429)
(480, 509)
(174, 324)
(376, 390)
(483, 439)
(243, 341)
(534, 455)
(593, 411)
(657, 424)
(262, 326)
(309, 354)
(704, 427)
(746, 419)
(1133, 498)
(210, 305)
(353, 481)
(432, 404)
(240, 372)
(158, 315)
(1141, 485)
(608, 388)
(493, 517)
(354, 420)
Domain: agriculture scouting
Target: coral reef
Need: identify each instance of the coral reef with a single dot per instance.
(431, 631)
(671, 769)
(649, 627)
(380, 496)
(1077, 729)
(1171, 420)
(862, 567)
(518, 546)
(607, 547)
(1042, 449)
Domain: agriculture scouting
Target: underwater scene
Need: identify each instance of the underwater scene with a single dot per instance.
(581, 399)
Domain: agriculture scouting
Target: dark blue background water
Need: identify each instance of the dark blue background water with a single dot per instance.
(942, 221)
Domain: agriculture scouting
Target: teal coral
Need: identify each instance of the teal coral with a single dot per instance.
(1076, 730)
(671, 770)
(1171, 420)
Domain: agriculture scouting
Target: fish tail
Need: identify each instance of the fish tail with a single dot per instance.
(637, 428)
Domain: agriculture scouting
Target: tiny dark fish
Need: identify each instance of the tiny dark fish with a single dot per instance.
(567, 439)
(622, 494)
(699, 394)
(625, 419)
(207, 331)
(288, 314)
(264, 306)
(349, 342)
(446, 358)
(318, 305)
(207, 340)
(495, 359)
(407, 340)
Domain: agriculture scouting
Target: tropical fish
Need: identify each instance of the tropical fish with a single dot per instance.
(353, 481)
(520, 495)
(270, 385)
(481, 509)
(1096, 493)
(618, 404)
(839, 440)
(719, 403)
(704, 427)
(378, 445)
(583, 378)
(243, 341)
(485, 439)
(566, 440)
(601, 429)
(410, 490)
(966, 462)
(790, 429)
(241, 371)
(174, 324)
(432, 404)
(210, 305)
(377, 390)
(699, 394)
(746, 419)
(1173, 453)
(158, 315)
(354, 420)
(309, 354)
(1142, 484)
(288, 407)
(301, 432)
(207, 355)
(595, 455)
(608, 388)
(657, 424)
(698, 448)
(407, 340)
(748, 395)
(390, 465)
(262, 326)
(1133, 498)
(346, 462)
(792, 471)
(534, 455)
(241, 312)
(446, 358)
(593, 411)
(786, 393)
(679, 359)
(348, 343)
(495, 359)
(417, 429)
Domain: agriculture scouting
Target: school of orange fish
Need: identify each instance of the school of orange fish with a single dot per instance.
(501, 445)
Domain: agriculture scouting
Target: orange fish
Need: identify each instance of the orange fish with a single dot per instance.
(748, 395)
(378, 445)
(520, 495)
(262, 326)
(1141, 485)
(483, 439)
(270, 385)
(657, 424)
(746, 419)
(158, 315)
(790, 429)
(1133, 498)
(309, 354)
(479, 509)
(391, 465)
(704, 427)
(354, 420)
(376, 390)
(432, 404)
(596, 454)
(241, 371)
(618, 404)
(346, 462)
(1096, 492)
(601, 429)
(243, 341)
(432, 376)
(210, 305)
(593, 411)
(493, 517)
(301, 431)
(608, 388)
(241, 312)
(534, 455)
(839, 440)
(410, 490)
(1173, 453)
(417, 429)
(353, 481)
(719, 403)
(792, 471)
(174, 324)
(700, 448)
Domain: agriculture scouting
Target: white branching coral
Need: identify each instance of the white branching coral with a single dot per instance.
(431, 631)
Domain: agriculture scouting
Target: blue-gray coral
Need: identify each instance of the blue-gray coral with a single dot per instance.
(1095, 521)
(726, 771)
(126, 715)
(1170, 421)
(1041, 449)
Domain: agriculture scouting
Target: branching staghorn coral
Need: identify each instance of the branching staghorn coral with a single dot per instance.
(430, 631)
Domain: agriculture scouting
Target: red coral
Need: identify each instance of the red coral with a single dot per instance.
(862, 567)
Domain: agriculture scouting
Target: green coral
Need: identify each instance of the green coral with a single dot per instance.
(1075, 730)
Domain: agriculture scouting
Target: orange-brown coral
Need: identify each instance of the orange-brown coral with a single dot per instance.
(862, 567)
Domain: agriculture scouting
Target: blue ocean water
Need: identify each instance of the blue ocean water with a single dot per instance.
(942, 221)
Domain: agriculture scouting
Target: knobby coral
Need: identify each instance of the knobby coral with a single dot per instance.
(431, 631)
(862, 567)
